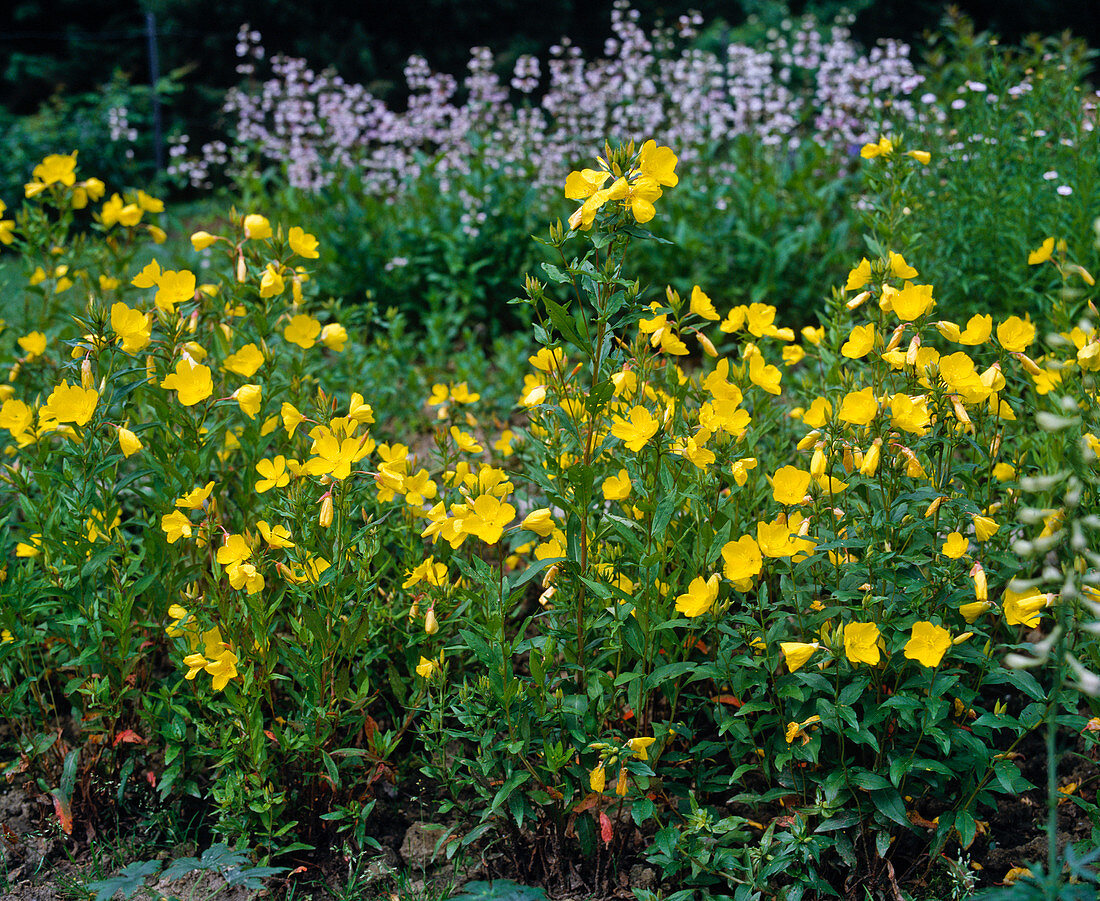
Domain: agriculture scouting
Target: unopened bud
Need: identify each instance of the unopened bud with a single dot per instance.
(325, 519)
(242, 269)
(1029, 364)
(933, 507)
(895, 338)
(86, 377)
(431, 624)
(911, 353)
(858, 300)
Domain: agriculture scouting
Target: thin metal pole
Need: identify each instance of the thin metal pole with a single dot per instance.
(154, 77)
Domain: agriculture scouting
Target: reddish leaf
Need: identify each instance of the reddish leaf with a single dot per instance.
(606, 832)
(127, 735)
(64, 813)
(732, 700)
(588, 803)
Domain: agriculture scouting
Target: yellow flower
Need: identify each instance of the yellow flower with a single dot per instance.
(173, 288)
(196, 497)
(70, 404)
(32, 547)
(859, 342)
(1042, 253)
(465, 441)
(796, 653)
(200, 240)
(249, 398)
(898, 267)
(245, 361)
(883, 147)
(274, 472)
(128, 441)
(955, 546)
(175, 526)
(743, 560)
(597, 778)
(1015, 334)
(984, 527)
(133, 327)
(912, 301)
(57, 168)
(977, 331)
(700, 596)
(334, 336)
(275, 536)
(302, 330)
(927, 644)
(921, 156)
(191, 381)
(617, 488)
(801, 730)
(861, 643)
(638, 747)
(1023, 608)
(303, 243)
(637, 430)
(790, 484)
(33, 344)
(427, 668)
(658, 163)
(973, 610)
(909, 413)
(701, 305)
(541, 522)
(859, 276)
(487, 518)
(764, 374)
(741, 468)
(272, 284)
(256, 227)
(859, 407)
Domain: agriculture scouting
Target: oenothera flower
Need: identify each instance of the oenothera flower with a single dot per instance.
(256, 227)
(486, 518)
(955, 546)
(303, 243)
(274, 536)
(274, 474)
(743, 561)
(658, 163)
(245, 361)
(272, 283)
(910, 413)
(175, 526)
(217, 659)
(1015, 334)
(859, 276)
(790, 484)
(70, 404)
(859, 342)
(701, 305)
(1023, 608)
(637, 430)
(597, 778)
(883, 147)
(796, 653)
(985, 527)
(617, 488)
(248, 398)
(191, 381)
(859, 407)
(57, 168)
(33, 344)
(818, 413)
(128, 441)
(335, 456)
(764, 375)
(912, 301)
(426, 669)
(334, 336)
(429, 571)
(541, 522)
(927, 644)
(302, 330)
(781, 539)
(861, 643)
(1042, 253)
(133, 327)
(195, 498)
(700, 596)
(801, 730)
(173, 288)
(898, 267)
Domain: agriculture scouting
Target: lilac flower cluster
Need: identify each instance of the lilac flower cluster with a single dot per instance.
(805, 83)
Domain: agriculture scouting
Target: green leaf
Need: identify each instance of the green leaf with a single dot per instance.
(499, 890)
(131, 878)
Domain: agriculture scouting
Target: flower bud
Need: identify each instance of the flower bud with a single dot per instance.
(431, 624)
(325, 519)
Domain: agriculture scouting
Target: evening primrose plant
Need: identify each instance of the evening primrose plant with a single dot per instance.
(715, 592)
